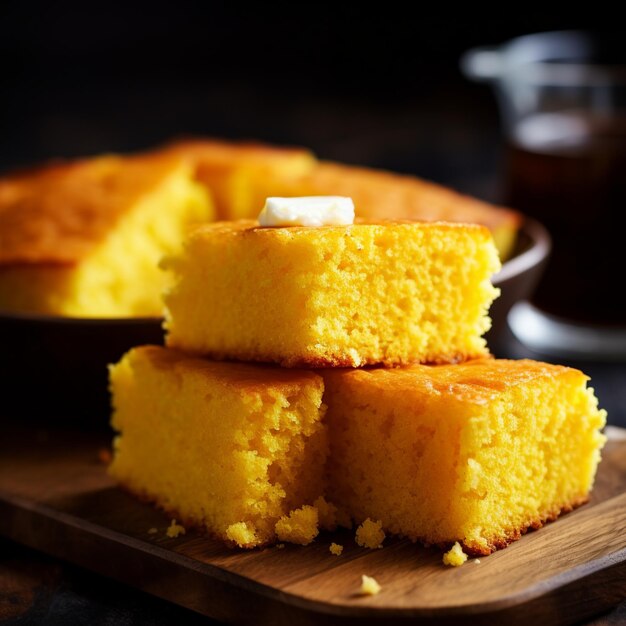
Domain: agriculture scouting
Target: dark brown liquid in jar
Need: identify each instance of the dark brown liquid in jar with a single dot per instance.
(569, 171)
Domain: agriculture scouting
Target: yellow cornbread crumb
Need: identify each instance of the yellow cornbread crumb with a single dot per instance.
(336, 549)
(280, 546)
(300, 526)
(370, 534)
(455, 556)
(152, 531)
(369, 586)
(174, 529)
(242, 533)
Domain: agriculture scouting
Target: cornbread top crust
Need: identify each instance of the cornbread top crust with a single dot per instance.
(253, 378)
(56, 214)
(313, 233)
(379, 194)
(478, 381)
(219, 154)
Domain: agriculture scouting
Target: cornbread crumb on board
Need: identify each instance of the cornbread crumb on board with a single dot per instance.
(242, 533)
(455, 556)
(174, 530)
(152, 531)
(370, 534)
(300, 526)
(369, 586)
(336, 549)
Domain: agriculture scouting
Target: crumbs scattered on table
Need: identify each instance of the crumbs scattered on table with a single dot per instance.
(369, 586)
(455, 556)
(174, 530)
(370, 534)
(280, 546)
(336, 549)
(152, 531)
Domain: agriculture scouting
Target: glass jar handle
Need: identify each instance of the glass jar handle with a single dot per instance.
(482, 64)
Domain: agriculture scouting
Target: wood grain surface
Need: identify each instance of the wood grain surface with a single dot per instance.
(55, 496)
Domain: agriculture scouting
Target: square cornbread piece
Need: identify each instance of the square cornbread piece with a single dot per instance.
(392, 293)
(230, 448)
(84, 238)
(477, 452)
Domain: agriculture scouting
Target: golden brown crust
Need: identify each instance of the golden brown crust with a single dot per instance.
(308, 362)
(56, 214)
(499, 543)
(509, 535)
(476, 381)
(188, 523)
(247, 227)
(236, 373)
(219, 153)
(379, 193)
(474, 550)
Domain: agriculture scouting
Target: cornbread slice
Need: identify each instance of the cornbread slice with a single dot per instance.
(84, 238)
(379, 194)
(240, 175)
(476, 452)
(389, 293)
(232, 448)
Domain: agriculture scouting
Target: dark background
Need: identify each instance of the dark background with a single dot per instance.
(377, 88)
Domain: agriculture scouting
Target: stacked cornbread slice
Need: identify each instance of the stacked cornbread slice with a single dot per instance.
(364, 294)
(405, 419)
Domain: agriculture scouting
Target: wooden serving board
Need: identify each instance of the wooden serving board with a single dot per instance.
(55, 496)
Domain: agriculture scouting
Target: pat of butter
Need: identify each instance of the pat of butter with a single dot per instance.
(308, 211)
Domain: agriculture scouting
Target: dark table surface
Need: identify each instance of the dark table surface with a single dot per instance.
(37, 589)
